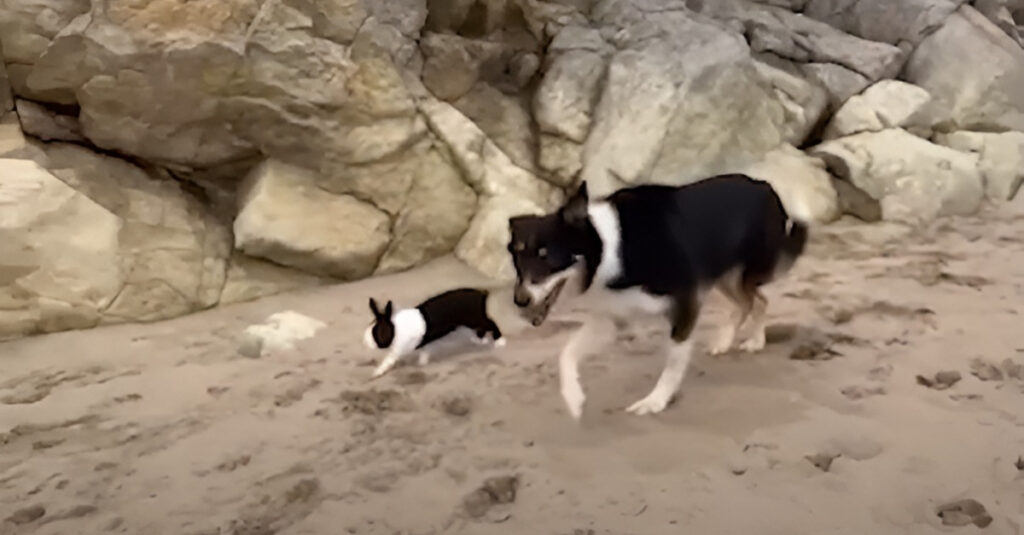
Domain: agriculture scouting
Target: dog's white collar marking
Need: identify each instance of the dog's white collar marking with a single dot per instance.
(606, 222)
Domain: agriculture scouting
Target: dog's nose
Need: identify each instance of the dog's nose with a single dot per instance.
(521, 297)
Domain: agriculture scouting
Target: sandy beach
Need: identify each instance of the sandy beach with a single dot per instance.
(840, 426)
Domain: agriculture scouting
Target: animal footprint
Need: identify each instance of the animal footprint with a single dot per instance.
(963, 513)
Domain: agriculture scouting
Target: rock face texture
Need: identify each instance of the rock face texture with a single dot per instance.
(213, 151)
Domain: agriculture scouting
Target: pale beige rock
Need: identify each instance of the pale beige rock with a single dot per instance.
(284, 217)
(841, 83)
(973, 70)
(59, 262)
(734, 117)
(566, 96)
(436, 214)
(915, 181)
(250, 278)
(14, 145)
(805, 40)
(802, 182)
(883, 20)
(172, 249)
(1001, 159)
(886, 104)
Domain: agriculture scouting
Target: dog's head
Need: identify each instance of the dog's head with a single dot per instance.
(546, 250)
(381, 333)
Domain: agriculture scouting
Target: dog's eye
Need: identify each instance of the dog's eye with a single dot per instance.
(519, 247)
(542, 252)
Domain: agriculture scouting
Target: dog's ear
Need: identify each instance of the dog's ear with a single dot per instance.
(574, 212)
(388, 308)
(373, 308)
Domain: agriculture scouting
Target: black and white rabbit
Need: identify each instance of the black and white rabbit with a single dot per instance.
(414, 329)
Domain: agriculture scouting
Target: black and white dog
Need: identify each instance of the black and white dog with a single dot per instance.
(415, 329)
(656, 250)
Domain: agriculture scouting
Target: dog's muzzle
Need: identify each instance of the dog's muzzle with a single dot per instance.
(521, 297)
(536, 311)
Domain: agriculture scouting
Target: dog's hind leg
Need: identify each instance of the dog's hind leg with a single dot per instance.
(730, 285)
(677, 360)
(758, 313)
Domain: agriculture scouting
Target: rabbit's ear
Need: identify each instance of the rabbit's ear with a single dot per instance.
(388, 309)
(373, 308)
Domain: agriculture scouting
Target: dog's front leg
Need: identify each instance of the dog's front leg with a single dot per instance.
(578, 347)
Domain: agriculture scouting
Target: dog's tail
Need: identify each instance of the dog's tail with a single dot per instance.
(797, 233)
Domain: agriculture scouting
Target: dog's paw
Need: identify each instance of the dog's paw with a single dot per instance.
(654, 403)
(753, 344)
(500, 342)
(574, 398)
(720, 347)
(383, 368)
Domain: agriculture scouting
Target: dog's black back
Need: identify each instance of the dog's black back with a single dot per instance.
(677, 238)
(462, 307)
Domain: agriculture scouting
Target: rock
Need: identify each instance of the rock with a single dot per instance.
(682, 99)
(980, 95)
(1001, 159)
(783, 107)
(879, 20)
(805, 40)
(250, 278)
(856, 202)
(563, 106)
(40, 122)
(6, 97)
(840, 82)
(914, 180)
(285, 218)
(505, 190)
(437, 211)
(203, 85)
(886, 104)
(566, 96)
(279, 332)
(802, 182)
(173, 251)
(505, 120)
(449, 68)
(48, 283)
(997, 12)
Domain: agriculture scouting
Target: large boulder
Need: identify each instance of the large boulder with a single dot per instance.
(209, 82)
(27, 28)
(915, 180)
(173, 251)
(895, 22)
(805, 40)
(974, 70)
(683, 99)
(49, 281)
(887, 104)
(284, 217)
(1001, 159)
